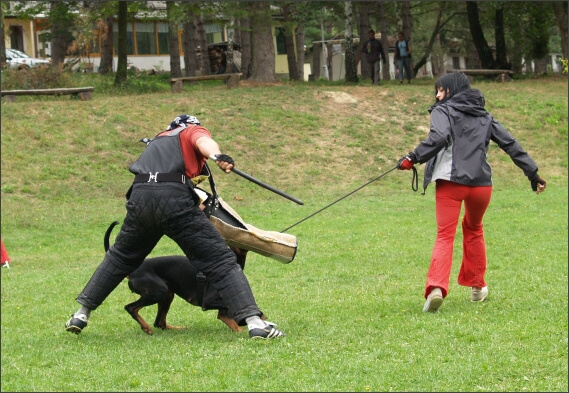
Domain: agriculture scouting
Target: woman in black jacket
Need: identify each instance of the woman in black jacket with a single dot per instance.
(456, 155)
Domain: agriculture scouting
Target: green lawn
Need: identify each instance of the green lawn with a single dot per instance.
(351, 301)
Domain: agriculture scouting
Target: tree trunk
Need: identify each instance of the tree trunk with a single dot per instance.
(202, 43)
(501, 55)
(106, 64)
(174, 42)
(350, 59)
(434, 37)
(121, 75)
(484, 51)
(300, 50)
(289, 42)
(263, 49)
(60, 21)
(245, 32)
(189, 44)
(229, 54)
(406, 27)
(560, 9)
(316, 61)
(363, 29)
(386, 75)
(2, 42)
(329, 63)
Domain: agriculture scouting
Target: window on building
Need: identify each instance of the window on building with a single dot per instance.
(163, 40)
(281, 41)
(145, 38)
(129, 38)
(213, 33)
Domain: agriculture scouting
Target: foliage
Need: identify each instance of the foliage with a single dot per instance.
(42, 77)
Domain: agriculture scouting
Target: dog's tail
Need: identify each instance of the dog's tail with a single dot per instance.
(108, 234)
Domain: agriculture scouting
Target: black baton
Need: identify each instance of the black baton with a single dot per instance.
(264, 185)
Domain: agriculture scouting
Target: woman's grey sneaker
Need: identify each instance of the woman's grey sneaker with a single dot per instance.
(76, 323)
(434, 300)
(267, 332)
(479, 294)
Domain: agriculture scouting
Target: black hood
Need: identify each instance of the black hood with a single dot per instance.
(470, 101)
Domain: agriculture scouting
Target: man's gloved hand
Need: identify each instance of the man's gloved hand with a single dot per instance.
(224, 158)
(223, 161)
(405, 164)
(537, 183)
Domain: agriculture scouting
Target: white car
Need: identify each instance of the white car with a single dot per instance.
(18, 59)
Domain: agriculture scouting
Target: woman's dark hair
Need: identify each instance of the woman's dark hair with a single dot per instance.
(452, 84)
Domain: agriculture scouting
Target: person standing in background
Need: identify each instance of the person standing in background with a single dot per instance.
(374, 52)
(403, 57)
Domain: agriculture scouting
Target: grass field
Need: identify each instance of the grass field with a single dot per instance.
(351, 300)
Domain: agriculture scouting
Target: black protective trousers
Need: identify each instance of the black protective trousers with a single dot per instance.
(171, 209)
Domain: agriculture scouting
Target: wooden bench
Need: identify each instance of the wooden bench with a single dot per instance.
(84, 93)
(231, 80)
(502, 75)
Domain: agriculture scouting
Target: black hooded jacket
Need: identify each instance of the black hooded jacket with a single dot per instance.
(457, 145)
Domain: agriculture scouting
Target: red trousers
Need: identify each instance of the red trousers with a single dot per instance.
(5, 257)
(449, 198)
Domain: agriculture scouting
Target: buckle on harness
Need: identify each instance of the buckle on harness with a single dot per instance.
(152, 177)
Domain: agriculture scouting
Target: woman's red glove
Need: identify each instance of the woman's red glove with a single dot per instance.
(405, 163)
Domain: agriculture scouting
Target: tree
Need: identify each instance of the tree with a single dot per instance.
(2, 42)
(300, 47)
(173, 18)
(350, 59)
(289, 26)
(560, 9)
(484, 51)
(263, 49)
(482, 47)
(501, 56)
(190, 43)
(406, 26)
(106, 29)
(363, 28)
(245, 40)
(439, 24)
(386, 75)
(60, 19)
(530, 25)
(121, 75)
(230, 49)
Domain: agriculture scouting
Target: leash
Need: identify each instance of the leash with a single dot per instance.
(415, 180)
(339, 199)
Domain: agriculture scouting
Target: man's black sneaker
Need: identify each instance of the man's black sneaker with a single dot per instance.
(76, 323)
(267, 332)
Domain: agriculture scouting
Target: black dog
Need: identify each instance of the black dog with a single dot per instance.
(158, 279)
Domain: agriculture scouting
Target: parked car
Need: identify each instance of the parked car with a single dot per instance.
(18, 59)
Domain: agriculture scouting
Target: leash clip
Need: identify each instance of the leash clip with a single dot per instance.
(153, 177)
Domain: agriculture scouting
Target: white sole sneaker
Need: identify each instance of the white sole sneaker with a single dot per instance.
(478, 295)
(434, 300)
